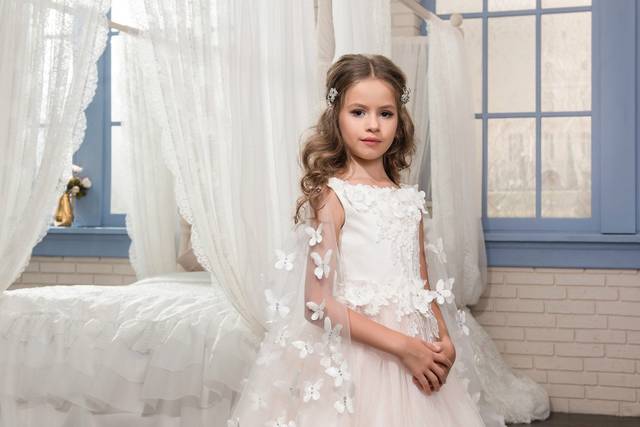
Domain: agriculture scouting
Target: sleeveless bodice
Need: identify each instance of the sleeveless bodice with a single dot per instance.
(380, 256)
(379, 238)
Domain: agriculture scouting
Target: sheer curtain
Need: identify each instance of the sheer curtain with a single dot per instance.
(234, 85)
(48, 55)
(456, 178)
(152, 214)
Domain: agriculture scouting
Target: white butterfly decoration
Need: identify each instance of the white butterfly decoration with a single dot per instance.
(438, 249)
(257, 402)
(336, 357)
(331, 335)
(461, 316)
(345, 403)
(281, 338)
(276, 306)
(339, 373)
(314, 234)
(443, 291)
(312, 390)
(304, 347)
(318, 309)
(285, 261)
(280, 422)
(322, 265)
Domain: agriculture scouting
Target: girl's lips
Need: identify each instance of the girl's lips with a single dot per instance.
(371, 141)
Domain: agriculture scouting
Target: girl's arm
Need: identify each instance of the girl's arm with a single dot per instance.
(445, 340)
(420, 357)
(424, 274)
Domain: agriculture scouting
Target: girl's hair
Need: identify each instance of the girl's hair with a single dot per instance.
(324, 153)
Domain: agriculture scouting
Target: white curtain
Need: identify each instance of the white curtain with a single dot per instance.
(230, 109)
(152, 213)
(362, 26)
(456, 180)
(48, 55)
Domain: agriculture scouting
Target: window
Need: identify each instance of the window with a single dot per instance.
(556, 89)
(99, 221)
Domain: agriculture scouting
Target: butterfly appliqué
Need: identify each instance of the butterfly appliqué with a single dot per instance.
(285, 261)
(312, 390)
(322, 264)
(345, 403)
(314, 234)
(276, 306)
(318, 309)
(438, 249)
(443, 291)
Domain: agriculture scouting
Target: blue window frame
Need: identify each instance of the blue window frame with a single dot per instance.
(610, 236)
(96, 231)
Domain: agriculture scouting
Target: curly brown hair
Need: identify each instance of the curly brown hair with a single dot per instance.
(324, 152)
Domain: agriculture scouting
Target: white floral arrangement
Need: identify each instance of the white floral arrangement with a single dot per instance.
(77, 186)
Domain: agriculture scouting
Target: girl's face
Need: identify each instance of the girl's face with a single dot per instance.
(369, 118)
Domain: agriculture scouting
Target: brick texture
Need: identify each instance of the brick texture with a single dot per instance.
(574, 331)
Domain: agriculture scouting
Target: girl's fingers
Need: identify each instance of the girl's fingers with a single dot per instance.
(441, 358)
(440, 373)
(424, 384)
(433, 379)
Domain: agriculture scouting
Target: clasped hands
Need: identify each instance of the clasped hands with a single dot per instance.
(429, 363)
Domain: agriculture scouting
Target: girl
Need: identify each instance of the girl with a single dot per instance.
(355, 338)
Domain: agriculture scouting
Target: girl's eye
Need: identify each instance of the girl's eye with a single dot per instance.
(385, 114)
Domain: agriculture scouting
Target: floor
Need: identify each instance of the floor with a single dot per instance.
(559, 419)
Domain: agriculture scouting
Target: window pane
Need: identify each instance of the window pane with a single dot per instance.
(566, 167)
(498, 5)
(565, 3)
(458, 6)
(511, 174)
(118, 184)
(116, 70)
(473, 42)
(566, 62)
(512, 56)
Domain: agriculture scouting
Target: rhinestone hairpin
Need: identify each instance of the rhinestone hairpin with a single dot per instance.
(331, 96)
(405, 95)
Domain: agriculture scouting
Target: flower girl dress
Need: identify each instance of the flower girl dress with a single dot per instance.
(308, 372)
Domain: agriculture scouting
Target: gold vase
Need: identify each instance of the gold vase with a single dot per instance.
(64, 213)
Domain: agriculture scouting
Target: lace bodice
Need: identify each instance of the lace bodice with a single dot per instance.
(379, 238)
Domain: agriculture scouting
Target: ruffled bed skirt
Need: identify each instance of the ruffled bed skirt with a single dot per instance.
(167, 351)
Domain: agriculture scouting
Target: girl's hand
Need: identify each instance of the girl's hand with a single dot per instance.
(449, 351)
(426, 362)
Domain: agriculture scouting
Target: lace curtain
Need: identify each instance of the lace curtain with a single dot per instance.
(48, 55)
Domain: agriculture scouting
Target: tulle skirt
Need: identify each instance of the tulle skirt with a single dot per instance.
(385, 395)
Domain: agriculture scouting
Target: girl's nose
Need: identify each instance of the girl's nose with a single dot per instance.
(373, 124)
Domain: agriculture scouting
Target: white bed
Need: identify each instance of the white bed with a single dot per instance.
(137, 355)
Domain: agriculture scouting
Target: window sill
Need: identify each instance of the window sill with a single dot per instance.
(563, 250)
(85, 242)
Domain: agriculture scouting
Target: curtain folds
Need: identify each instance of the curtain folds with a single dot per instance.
(48, 55)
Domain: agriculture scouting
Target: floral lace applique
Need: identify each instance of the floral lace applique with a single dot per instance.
(408, 296)
(398, 212)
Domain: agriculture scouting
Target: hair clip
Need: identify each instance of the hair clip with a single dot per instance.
(405, 95)
(331, 96)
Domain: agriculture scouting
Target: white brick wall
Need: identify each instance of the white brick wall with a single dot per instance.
(575, 331)
(75, 271)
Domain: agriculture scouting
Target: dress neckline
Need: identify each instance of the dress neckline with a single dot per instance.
(376, 187)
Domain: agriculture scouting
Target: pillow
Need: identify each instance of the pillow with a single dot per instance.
(186, 257)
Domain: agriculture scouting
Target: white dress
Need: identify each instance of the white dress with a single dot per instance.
(379, 270)
(380, 278)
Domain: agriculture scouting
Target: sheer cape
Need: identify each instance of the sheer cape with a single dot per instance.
(302, 374)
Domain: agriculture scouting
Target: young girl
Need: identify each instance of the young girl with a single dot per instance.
(356, 336)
